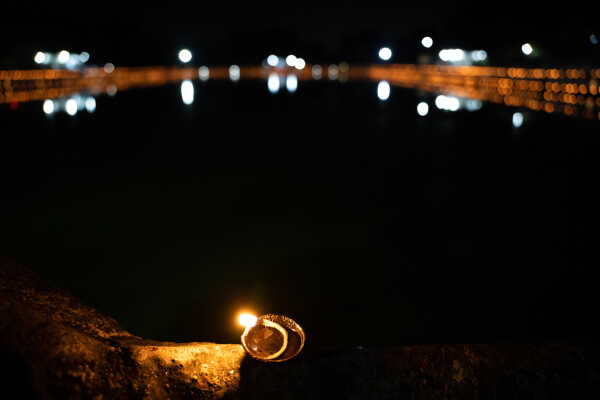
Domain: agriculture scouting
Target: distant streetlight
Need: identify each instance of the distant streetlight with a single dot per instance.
(427, 42)
(527, 49)
(385, 53)
(185, 56)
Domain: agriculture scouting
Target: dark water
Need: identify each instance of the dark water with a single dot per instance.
(361, 220)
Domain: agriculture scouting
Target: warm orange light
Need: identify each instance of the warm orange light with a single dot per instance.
(247, 320)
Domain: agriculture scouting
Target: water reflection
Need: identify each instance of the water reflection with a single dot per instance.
(187, 92)
(572, 92)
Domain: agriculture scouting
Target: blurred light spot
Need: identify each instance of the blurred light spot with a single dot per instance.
(109, 68)
(300, 63)
(332, 72)
(291, 83)
(452, 55)
(290, 60)
(187, 92)
(317, 72)
(385, 53)
(517, 119)
(344, 67)
(63, 56)
(527, 49)
(234, 73)
(447, 103)
(273, 83)
(247, 320)
(84, 57)
(204, 73)
(185, 56)
(111, 90)
(90, 104)
(273, 60)
(473, 105)
(383, 90)
(593, 39)
(423, 109)
(478, 55)
(71, 107)
(427, 42)
(48, 107)
(40, 57)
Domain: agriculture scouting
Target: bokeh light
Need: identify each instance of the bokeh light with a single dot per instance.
(185, 56)
(385, 53)
(383, 90)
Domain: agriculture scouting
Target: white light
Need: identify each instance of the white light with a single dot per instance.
(332, 72)
(383, 90)
(478, 55)
(447, 103)
(290, 60)
(291, 83)
(63, 56)
(452, 55)
(593, 39)
(385, 53)
(234, 73)
(84, 57)
(111, 90)
(273, 83)
(422, 109)
(109, 68)
(317, 72)
(517, 119)
(427, 42)
(48, 107)
(90, 104)
(473, 105)
(273, 60)
(247, 320)
(187, 92)
(527, 49)
(40, 57)
(71, 107)
(204, 73)
(185, 56)
(300, 63)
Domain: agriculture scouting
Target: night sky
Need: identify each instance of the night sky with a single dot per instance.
(362, 221)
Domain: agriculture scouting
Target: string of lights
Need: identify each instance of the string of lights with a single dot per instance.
(573, 92)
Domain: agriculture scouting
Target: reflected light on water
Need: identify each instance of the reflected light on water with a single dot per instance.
(71, 107)
(204, 73)
(517, 119)
(383, 90)
(332, 72)
(291, 83)
(423, 109)
(234, 73)
(187, 92)
(273, 83)
(48, 107)
(447, 103)
(317, 72)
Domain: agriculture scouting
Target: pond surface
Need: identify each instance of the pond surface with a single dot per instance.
(360, 219)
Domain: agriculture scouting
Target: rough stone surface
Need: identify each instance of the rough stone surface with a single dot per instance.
(53, 346)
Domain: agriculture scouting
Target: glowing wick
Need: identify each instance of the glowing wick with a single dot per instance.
(247, 320)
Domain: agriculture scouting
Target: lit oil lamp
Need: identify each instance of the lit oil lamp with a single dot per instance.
(271, 337)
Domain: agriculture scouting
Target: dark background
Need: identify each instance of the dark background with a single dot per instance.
(362, 221)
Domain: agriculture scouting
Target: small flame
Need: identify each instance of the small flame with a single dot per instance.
(247, 320)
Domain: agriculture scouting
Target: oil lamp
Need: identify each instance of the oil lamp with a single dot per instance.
(271, 337)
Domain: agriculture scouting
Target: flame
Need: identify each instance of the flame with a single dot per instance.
(247, 320)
